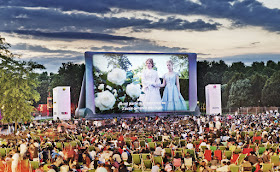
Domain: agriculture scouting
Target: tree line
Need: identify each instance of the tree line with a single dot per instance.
(242, 86)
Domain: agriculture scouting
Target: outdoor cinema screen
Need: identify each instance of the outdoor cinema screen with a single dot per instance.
(140, 83)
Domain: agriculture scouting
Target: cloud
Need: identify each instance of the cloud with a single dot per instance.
(52, 19)
(41, 49)
(72, 35)
(141, 46)
(173, 23)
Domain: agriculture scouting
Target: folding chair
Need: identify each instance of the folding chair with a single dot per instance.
(259, 133)
(3, 152)
(261, 150)
(251, 134)
(241, 158)
(237, 151)
(142, 143)
(191, 152)
(79, 137)
(213, 148)
(165, 144)
(253, 147)
(168, 151)
(224, 143)
(158, 159)
(247, 150)
(182, 143)
(188, 163)
(152, 146)
(232, 148)
(59, 145)
(158, 143)
(274, 160)
(268, 146)
(34, 165)
(218, 154)
(145, 155)
(267, 167)
(136, 161)
(234, 158)
(228, 154)
(203, 148)
(181, 153)
(234, 168)
(222, 148)
(147, 165)
(208, 155)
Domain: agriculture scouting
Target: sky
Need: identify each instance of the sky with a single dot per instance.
(54, 32)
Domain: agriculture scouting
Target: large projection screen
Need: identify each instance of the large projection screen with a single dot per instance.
(136, 84)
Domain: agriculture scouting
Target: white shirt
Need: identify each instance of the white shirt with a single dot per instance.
(155, 168)
(190, 146)
(101, 169)
(23, 148)
(158, 151)
(15, 159)
(218, 125)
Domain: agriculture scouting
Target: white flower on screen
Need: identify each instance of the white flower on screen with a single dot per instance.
(97, 74)
(100, 86)
(105, 100)
(133, 90)
(109, 87)
(117, 76)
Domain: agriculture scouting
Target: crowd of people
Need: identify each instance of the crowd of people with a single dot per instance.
(171, 144)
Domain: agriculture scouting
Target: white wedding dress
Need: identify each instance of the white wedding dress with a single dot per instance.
(150, 86)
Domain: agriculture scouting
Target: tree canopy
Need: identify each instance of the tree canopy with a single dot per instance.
(18, 83)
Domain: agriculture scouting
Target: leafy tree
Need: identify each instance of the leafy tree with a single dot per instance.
(238, 67)
(181, 62)
(268, 71)
(227, 76)
(271, 64)
(202, 68)
(211, 78)
(69, 74)
(18, 83)
(271, 91)
(43, 88)
(118, 61)
(226, 88)
(258, 66)
(257, 82)
(218, 67)
(240, 94)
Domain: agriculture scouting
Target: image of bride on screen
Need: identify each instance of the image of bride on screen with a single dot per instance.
(150, 86)
(172, 100)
